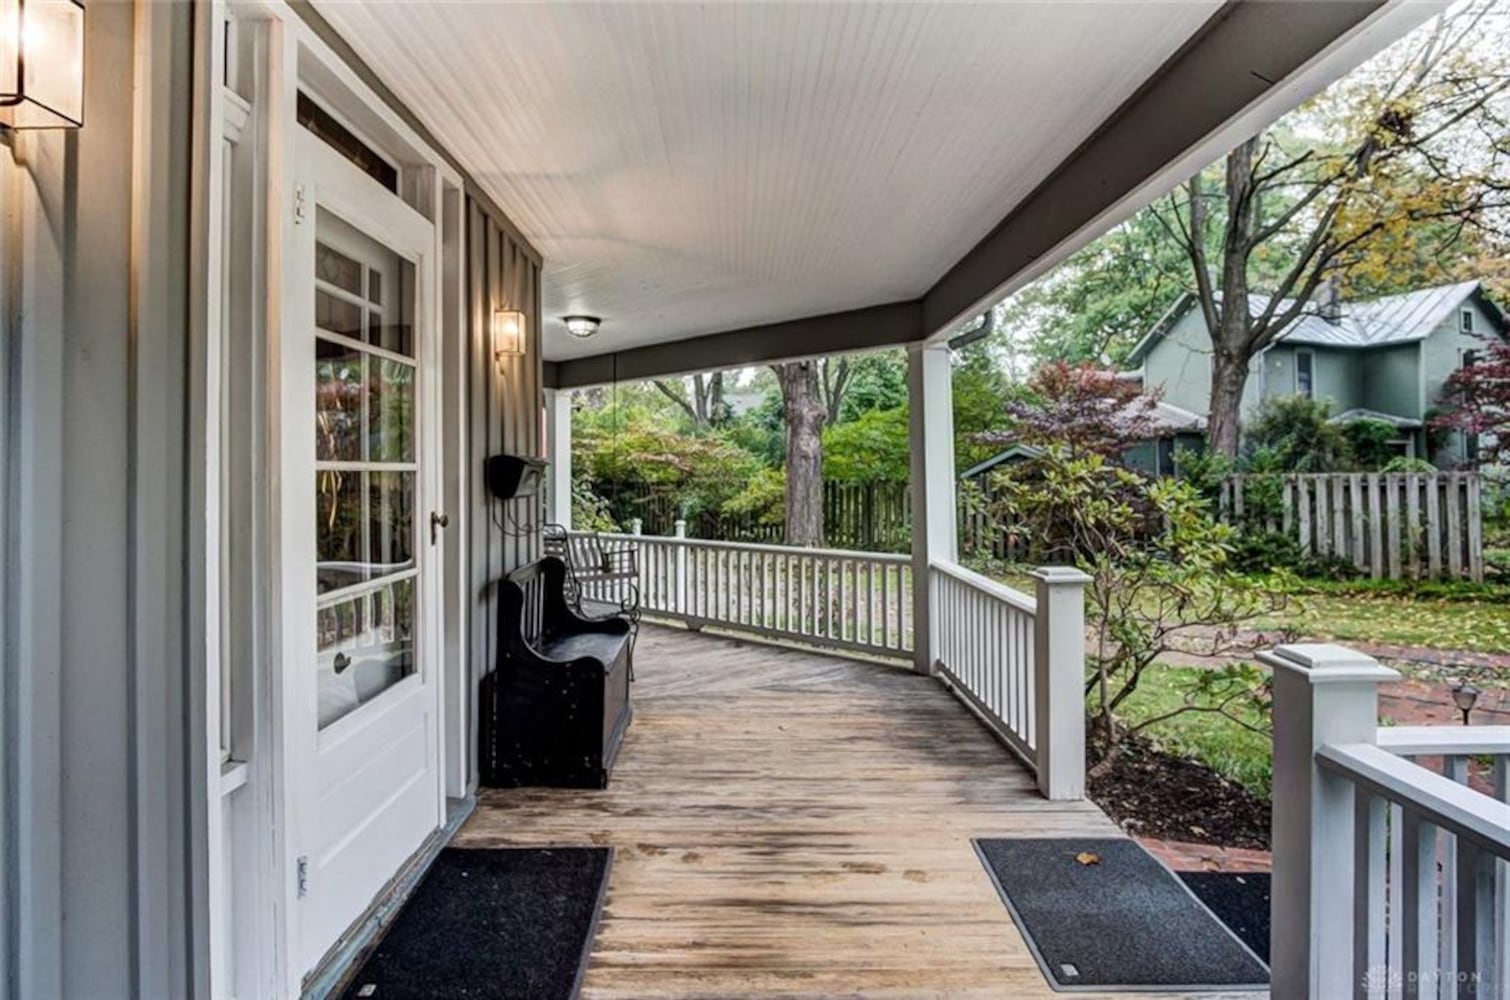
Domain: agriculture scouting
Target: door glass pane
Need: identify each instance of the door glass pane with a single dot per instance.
(335, 268)
(391, 522)
(339, 372)
(363, 290)
(365, 472)
(338, 315)
(340, 529)
(390, 436)
(366, 646)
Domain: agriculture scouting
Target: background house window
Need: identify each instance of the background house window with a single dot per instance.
(1465, 320)
(1470, 358)
(1305, 374)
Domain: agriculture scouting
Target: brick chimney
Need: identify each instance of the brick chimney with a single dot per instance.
(1329, 300)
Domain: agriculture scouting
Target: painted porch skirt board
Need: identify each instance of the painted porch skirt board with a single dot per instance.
(491, 923)
(1125, 922)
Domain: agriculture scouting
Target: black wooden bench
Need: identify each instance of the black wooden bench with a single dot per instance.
(556, 705)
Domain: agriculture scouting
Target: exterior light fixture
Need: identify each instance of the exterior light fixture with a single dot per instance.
(582, 326)
(1465, 696)
(41, 63)
(508, 334)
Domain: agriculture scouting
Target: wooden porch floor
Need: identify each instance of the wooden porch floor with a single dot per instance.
(788, 823)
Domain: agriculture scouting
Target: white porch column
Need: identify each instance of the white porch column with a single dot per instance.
(558, 440)
(1059, 682)
(1322, 694)
(931, 439)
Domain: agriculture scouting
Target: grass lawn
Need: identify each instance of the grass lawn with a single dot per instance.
(1457, 616)
(1441, 616)
(1233, 751)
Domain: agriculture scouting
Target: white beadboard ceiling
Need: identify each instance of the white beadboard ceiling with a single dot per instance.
(692, 168)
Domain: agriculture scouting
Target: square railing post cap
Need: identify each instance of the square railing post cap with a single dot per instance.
(1322, 663)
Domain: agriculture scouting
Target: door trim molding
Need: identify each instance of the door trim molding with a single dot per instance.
(344, 958)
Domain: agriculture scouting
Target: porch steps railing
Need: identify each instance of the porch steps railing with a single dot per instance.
(1391, 880)
(1019, 663)
(985, 651)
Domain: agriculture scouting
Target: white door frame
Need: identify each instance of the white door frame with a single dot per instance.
(328, 182)
(253, 798)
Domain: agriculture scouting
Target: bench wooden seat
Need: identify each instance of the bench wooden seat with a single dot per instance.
(554, 710)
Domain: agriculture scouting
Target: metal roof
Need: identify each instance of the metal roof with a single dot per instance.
(1391, 319)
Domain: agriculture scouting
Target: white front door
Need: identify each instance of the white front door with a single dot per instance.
(359, 434)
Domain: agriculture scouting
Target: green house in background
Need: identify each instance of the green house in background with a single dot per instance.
(1382, 359)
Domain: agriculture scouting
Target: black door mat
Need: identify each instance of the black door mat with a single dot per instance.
(1123, 922)
(514, 924)
(1240, 900)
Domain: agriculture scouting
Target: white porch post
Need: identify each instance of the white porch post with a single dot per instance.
(931, 440)
(1059, 682)
(1322, 694)
(558, 440)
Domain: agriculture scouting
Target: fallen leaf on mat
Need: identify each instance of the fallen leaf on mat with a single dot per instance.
(1087, 858)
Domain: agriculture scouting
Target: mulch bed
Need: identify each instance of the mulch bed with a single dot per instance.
(1151, 793)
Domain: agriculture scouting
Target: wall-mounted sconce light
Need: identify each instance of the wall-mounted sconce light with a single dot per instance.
(508, 335)
(41, 63)
(581, 326)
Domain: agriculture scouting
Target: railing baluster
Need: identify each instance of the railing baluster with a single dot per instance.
(1474, 919)
(1368, 894)
(1456, 768)
(1395, 976)
(1418, 910)
(1501, 963)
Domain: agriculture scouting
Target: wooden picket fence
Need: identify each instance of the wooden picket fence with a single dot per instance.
(981, 536)
(869, 517)
(1388, 525)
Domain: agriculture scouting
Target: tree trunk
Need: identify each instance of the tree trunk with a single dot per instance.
(1229, 376)
(802, 400)
(718, 410)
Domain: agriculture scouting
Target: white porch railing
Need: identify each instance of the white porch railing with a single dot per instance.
(985, 651)
(833, 598)
(1019, 662)
(1390, 880)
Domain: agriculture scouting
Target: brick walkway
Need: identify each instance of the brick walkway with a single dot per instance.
(1186, 857)
(1415, 702)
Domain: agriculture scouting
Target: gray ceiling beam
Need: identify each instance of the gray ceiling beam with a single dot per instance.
(1243, 54)
(1251, 62)
(812, 336)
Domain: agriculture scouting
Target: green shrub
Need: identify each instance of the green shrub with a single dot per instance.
(1272, 551)
(1300, 436)
(1161, 581)
(1369, 442)
(1203, 470)
(1402, 464)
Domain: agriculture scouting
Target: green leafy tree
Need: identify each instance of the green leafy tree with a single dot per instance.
(869, 449)
(1096, 305)
(1382, 175)
(1160, 582)
(980, 385)
(875, 381)
(764, 498)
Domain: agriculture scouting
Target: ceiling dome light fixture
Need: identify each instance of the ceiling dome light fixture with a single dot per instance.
(582, 326)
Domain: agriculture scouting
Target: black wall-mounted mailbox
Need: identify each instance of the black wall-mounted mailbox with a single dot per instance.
(510, 477)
